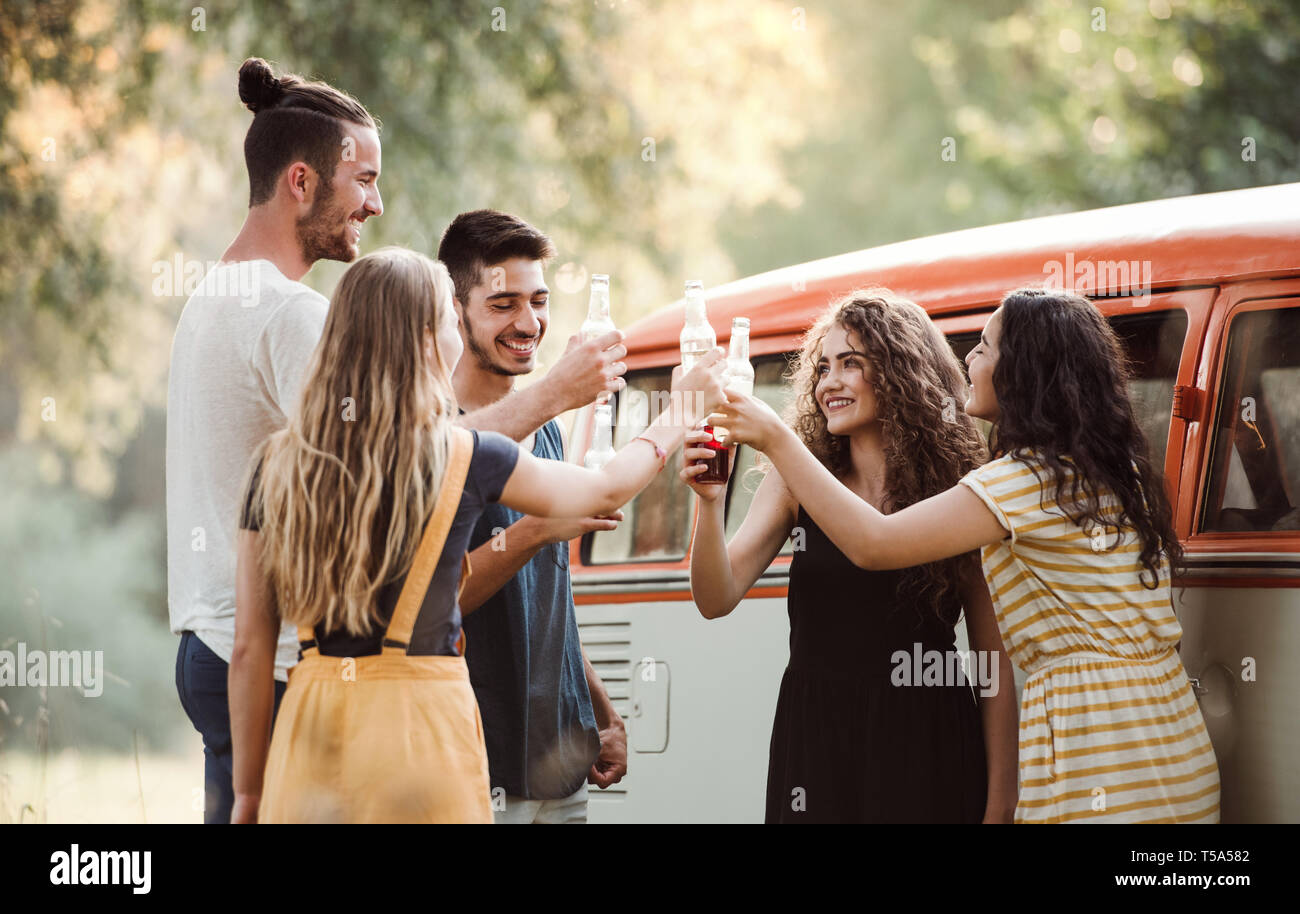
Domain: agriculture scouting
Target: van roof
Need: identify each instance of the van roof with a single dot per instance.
(1187, 241)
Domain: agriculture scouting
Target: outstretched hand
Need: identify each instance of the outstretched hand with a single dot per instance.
(747, 420)
(699, 390)
(590, 370)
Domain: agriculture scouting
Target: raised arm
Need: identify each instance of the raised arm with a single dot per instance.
(722, 572)
(950, 523)
(251, 680)
(583, 372)
(549, 488)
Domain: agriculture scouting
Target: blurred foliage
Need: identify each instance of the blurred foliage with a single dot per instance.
(1076, 105)
(1052, 106)
(655, 141)
(76, 581)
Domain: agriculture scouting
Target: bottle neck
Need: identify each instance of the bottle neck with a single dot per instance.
(696, 311)
(739, 348)
(598, 307)
(602, 440)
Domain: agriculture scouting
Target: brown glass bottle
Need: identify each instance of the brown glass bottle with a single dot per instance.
(719, 465)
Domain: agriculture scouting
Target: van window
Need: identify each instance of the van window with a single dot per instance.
(1254, 481)
(769, 386)
(1153, 343)
(656, 523)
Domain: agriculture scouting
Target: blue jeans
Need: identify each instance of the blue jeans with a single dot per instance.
(201, 684)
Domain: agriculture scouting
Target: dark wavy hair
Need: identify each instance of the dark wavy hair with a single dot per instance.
(919, 385)
(1062, 386)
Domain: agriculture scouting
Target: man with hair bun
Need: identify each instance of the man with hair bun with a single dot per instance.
(238, 360)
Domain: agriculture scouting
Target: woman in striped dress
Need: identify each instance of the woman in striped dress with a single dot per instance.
(1077, 543)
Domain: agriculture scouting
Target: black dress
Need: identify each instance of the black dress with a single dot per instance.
(847, 744)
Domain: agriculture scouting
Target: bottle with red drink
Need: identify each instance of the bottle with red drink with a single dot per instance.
(738, 377)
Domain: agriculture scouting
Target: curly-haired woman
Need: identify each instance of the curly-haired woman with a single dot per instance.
(1078, 545)
(854, 741)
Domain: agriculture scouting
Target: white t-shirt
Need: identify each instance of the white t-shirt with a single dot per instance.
(239, 359)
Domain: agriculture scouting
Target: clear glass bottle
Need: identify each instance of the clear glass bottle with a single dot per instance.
(697, 333)
(739, 373)
(602, 441)
(598, 320)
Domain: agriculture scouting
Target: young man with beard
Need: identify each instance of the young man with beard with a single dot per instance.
(549, 725)
(238, 358)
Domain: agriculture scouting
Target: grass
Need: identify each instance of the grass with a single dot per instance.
(100, 787)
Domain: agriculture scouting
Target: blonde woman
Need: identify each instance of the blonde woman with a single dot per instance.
(355, 526)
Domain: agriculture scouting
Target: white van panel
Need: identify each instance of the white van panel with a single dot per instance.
(1251, 723)
(717, 706)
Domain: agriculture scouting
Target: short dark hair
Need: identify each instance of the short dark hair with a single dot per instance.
(293, 120)
(485, 237)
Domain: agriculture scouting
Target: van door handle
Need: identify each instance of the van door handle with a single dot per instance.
(1197, 689)
(1187, 403)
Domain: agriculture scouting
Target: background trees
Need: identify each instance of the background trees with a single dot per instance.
(655, 141)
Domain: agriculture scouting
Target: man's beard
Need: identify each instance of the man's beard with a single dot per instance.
(322, 232)
(485, 358)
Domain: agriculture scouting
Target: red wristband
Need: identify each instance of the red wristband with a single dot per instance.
(659, 452)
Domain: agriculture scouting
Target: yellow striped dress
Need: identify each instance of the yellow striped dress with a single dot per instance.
(1110, 730)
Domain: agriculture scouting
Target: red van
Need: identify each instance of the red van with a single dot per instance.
(1205, 293)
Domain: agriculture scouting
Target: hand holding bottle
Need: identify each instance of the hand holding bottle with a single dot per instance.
(738, 376)
(750, 421)
(587, 370)
(598, 322)
(696, 450)
(698, 392)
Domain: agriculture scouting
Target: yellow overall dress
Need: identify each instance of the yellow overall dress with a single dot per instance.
(388, 737)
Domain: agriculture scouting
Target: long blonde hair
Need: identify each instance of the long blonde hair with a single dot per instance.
(347, 488)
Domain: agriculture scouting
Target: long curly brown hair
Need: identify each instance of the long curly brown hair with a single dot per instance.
(920, 387)
(1062, 386)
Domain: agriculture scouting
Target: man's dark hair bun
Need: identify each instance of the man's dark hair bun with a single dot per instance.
(258, 87)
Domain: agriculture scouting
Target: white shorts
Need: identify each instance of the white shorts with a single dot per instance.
(570, 810)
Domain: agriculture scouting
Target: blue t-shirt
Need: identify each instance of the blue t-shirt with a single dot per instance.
(525, 662)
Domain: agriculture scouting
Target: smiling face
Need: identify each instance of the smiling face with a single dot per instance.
(505, 317)
(331, 229)
(980, 362)
(844, 377)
